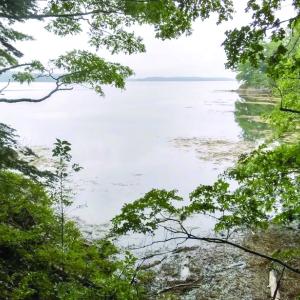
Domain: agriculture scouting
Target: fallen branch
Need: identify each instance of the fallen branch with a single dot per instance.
(194, 284)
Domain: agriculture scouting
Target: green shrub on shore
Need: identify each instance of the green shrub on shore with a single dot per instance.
(33, 262)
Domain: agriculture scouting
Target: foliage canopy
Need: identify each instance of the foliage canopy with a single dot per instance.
(109, 24)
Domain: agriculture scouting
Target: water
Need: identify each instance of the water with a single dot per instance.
(171, 135)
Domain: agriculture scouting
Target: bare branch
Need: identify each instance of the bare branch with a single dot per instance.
(159, 242)
(57, 88)
(225, 241)
(290, 110)
(5, 87)
(14, 67)
(185, 235)
(275, 25)
(193, 284)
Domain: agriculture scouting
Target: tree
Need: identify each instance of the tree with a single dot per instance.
(61, 191)
(267, 194)
(279, 73)
(37, 259)
(261, 191)
(108, 25)
(31, 254)
(267, 178)
(253, 77)
(14, 157)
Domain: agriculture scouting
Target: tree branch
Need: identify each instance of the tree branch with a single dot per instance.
(57, 88)
(281, 22)
(14, 67)
(290, 110)
(245, 249)
(185, 235)
(5, 87)
(44, 16)
(159, 242)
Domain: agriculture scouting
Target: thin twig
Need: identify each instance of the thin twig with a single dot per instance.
(5, 87)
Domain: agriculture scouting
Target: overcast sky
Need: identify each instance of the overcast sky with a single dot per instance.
(200, 54)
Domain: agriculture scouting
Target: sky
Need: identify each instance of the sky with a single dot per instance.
(200, 54)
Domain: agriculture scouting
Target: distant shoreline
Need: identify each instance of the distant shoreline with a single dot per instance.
(182, 79)
(6, 77)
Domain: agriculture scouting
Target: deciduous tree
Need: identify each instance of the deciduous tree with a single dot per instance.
(109, 24)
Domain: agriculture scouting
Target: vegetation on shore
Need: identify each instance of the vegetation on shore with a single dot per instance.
(43, 253)
(260, 192)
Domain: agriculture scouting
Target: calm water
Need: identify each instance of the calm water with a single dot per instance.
(172, 135)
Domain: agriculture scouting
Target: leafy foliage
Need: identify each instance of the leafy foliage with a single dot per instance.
(109, 25)
(279, 73)
(144, 214)
(267, 193)
(246, 43)
(253, 77)
(263, 189)
(34, 263)
(17, 158)
(86, 67)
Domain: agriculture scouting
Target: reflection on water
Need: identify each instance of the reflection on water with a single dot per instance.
(249, 113)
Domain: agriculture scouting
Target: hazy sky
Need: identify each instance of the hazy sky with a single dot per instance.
(200, 54)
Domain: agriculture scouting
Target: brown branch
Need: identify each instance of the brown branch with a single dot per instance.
(57, 88)
(14, 67)
(10, 48)
(245, 249)
(270, 258)
(187, 236)
(290, 110)
(283, 21)
(190, 285)
(159, 242)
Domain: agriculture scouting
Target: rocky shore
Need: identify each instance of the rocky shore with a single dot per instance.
(221, 272)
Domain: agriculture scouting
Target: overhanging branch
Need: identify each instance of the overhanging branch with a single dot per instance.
(14, 67)
(57, 89)
(184, 234)
(290, 110)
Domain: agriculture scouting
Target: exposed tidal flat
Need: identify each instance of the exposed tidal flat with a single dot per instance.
(168, 135)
